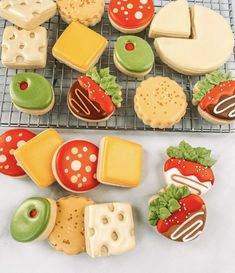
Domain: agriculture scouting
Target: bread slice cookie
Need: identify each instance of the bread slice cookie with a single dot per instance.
(160, 102)
(68, 233)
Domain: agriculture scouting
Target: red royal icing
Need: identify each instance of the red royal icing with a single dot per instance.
(76, 164)
(97, 94)
(33, 213)
(23, 85)
(130, 46)
(131, 14)
(213, 96)
(9, 142)
(187, 168)
(189, 205)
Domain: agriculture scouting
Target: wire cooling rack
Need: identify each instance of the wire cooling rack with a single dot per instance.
(125, 118)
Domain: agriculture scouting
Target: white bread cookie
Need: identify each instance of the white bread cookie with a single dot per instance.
(173, 20)
(22, 49)
(27, 14)
(109, 229)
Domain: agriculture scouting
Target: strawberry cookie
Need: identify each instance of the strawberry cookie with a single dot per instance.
(94, 97)
(190, 167)
(177, 214)
(9, 142)
(74, 165)
(215, 97)
(130, 16)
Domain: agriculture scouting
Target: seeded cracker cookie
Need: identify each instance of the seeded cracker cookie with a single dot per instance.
(160, 102)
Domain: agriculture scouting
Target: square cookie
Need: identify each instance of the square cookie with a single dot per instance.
(27, 14)
(35, 157)
(109, 229)
(23, 49)
(79, 47)
(120, 162)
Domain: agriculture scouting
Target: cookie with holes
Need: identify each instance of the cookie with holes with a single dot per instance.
(27, 14)
(130, 16)
(109, 229)
(133, 56)
(32, 94)
(177, 214)
(74, 165)
(68, 233)
(9, 142)
(33, 220)
(23, 49)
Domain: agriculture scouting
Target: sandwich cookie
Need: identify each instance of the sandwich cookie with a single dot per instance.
(133, 56)
(190, 167)
(177, 214)
(94, 97)
(32, 94)
(33, 220)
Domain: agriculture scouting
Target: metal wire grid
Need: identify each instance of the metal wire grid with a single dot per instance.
(62, 78)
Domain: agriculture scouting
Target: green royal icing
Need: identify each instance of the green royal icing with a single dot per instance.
(38, 95)
(213, 79)
(166, 203)
(185, 151)
(25, 228)
(140, 59)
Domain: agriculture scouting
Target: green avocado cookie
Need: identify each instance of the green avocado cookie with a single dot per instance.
(31, 93)
(133, 56)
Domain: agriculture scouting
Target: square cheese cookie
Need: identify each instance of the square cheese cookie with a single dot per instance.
(35, 157)
(109, 229)
(27, 14)
(23, 49)
(79, 47)
(120, 162)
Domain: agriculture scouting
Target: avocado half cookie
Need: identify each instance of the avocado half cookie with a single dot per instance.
(32, 94)
(33, 220)
(133, 56)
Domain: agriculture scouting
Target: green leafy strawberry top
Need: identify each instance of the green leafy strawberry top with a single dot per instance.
(107, 82)
(213, 79)
(185, 151)
(166, 203)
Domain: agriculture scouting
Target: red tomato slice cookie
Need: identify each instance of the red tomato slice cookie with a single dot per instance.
(130, 16)
(9, 142)
(75, 164)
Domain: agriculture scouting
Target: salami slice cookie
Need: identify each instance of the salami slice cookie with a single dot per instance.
(9, 142)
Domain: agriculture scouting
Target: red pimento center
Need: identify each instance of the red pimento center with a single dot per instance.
(129, 46)
(33, 213)
(23, 85)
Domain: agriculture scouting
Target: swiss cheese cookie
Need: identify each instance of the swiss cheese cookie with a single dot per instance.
(160, 102)
(133, 56)
(190, 167)
(109, 229)
(177, 214)
(74, 165)
(9, 142)
(95, 96)
(130, 16)
(27, 14)
(87, 12)
(33, 220)
(68, 233)
(31, 93)
(215, 97)
(24, 49)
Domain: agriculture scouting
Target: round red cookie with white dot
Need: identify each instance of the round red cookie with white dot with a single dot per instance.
(74, 165)
(9, 142)
(130, 16)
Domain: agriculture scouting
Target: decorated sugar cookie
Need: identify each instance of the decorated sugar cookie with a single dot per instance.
(74, 165)
(191, 167)
(9, 142)
(177, 214)
(33, 220)
(215, 97)
(31, 93)
(95, 96)
(130, 16)
(133, 56)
